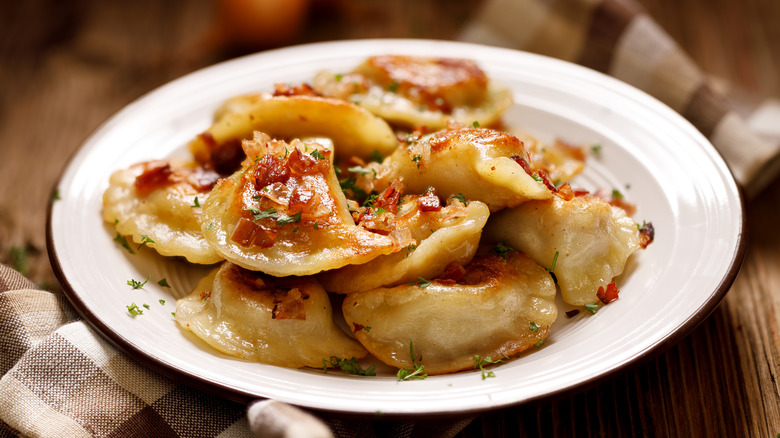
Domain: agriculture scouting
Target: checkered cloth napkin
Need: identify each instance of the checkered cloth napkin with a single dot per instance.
(60, 378)
(618, 38)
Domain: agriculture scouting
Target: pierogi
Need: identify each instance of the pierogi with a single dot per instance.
(383, 189)
(494, 306)
(587, 239)
(284, 213)
(353, 130)
(419, 91)
(482, 164)
(279, 321)
(158, 204)
(439, 236)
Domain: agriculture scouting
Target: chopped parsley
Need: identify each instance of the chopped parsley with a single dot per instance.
(195, 203)
(209, 227)
(317, 154)
(551, 270)
(616, 194)
(284, 220)
(641, 227)
(475, 124)
(460, 197)
(55, 195)
(162, 302)
(540, 343)
(144, 240)
(393, 87)
(134, 310)
(502, 249)
(137, 284)
(120, 239)
(417, 371)
(267, 213)
(592, 307)
(409, 249)
(533, 327)
(350, 366)
(480, 362)
(421, 282)
(163, 283)
(536, 177)
(417, 159)
(596, 148)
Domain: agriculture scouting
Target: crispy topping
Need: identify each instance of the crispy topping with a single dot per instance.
(609, 294)
(646, 234)
(156, 174)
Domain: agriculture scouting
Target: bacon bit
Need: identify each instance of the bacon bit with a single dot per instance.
(565, 192)
(264, 237)
(303, 89)
(205, 295)
(546, 179)
(454, 271)
(156, 174)
(301, 164)
(269, 170)
(244, 232)
(573, 313)
(203, 179)
(357, 327)
(388, 199)
(523, 162)
(248, 233)
(288, 304)
(646, 235)
(227, 157)
(300, 200)
(429, 201)
(609, 295)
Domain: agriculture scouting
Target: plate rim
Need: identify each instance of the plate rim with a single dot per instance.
(240, 395)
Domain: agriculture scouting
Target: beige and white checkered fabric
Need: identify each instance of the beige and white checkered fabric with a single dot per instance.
(616, 37)
(61, 379)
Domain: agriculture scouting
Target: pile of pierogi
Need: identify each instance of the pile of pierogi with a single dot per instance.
(384, 211)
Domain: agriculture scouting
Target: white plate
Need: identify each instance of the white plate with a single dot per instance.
(648, 152)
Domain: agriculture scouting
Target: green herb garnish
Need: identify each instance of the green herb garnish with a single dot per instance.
(144, 240)
(502, 249)
(416, 372)
(460, 197)
(267, 213)
(137, 284)
(350, 366)
(163, 283)
(533, 327)
(195, 203)
(284, 220)
(134, 310)
(592, 307)
(480, 362)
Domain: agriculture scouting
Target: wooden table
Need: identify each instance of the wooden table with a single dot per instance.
(67, 66)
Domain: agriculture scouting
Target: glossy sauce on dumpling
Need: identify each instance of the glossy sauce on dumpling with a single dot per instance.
(419, 91)
(487, 308)
(278, 321)
(284, 213)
